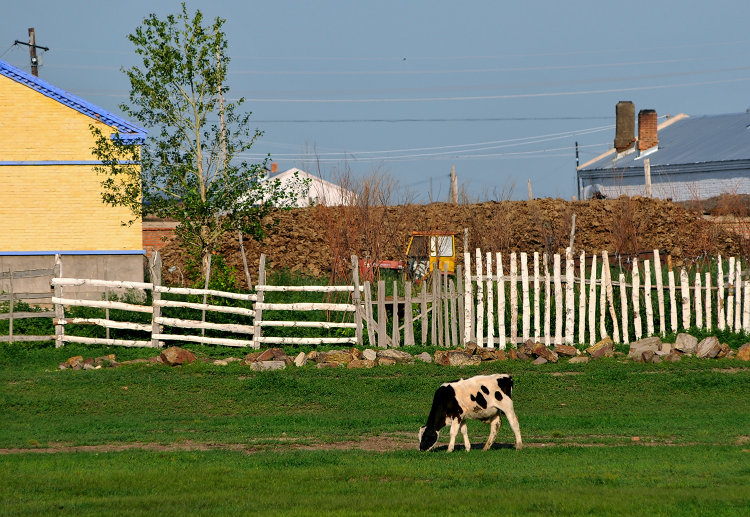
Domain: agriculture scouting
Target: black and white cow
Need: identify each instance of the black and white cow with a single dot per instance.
(483, 397)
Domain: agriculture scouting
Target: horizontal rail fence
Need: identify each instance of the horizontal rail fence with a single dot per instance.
(13, 297)
(156, 318)
(549, 299)
(434, 307)
(349, 321)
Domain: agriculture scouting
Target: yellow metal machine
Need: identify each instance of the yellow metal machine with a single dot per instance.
(428, 251)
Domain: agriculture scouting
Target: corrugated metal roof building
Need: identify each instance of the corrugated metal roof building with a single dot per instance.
(690, 157)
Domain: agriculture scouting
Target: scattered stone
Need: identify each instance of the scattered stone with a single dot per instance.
(743, 354)
(491, 354)
(540, 360)
(396, 355)
(686, 343)
(262, 366)
(567, 350)
(527, 348)
(75, 361)
(339, 357)
(272, 354)
(580, 359)
(176, 356)
(665, 349)
(327, 365)
(107, 361)
(513, 354)
(724, 351)
(251, 357)
(361, 363)
(315, 357)
(369, 354)
(232, 359)
(220, 362)
(650, 344)
(471, 348)
(386, 361)
(604, 348)
(425, 357)
(648, 356)
(673, 357)
(456, 358)
(356, 354)
(301, 359)
(540, 350)
(709, 347)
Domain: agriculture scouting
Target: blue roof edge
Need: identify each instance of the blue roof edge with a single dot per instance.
(128, 129)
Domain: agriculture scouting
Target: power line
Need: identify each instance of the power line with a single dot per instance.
(414, 120)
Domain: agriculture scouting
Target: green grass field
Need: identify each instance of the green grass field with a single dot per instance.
(606, 438)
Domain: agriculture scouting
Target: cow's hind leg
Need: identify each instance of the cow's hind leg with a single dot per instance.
(455, 425)
(465, 432)
(494, 427)
(507, 407)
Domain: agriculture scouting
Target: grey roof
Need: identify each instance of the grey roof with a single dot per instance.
(689, 143)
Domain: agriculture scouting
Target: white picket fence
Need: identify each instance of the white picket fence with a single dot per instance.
(588, 304)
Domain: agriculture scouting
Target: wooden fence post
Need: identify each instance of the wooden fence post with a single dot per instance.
(610, 297)
(569, 297)
(592, 300)
(59, 309)
(513, 300)
(730, 294)
(480, 299)
(490, 304)
(11, 303)
(582, 299)
(468, 324)
(382, 338)
(500, 302)
(636, 280)
(672, 299)
(408, 316)
(526, 304)
(624, 308)
(708, 300)
(370, 321)
(395, 334)
(558, 299)
(454, 319)
(459, 313)
(356, 299)
(258, 331)
(698, 301)
(738, 295)
(537, 296)
(446, 307)
(547, 302)
(647, 297)
(423, 313)
(154, 268)
(721, 317)
(660, 293)
(685, 294)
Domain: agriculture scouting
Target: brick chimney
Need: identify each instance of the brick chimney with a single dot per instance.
(274, 168)
(647, 135)
(624, 126)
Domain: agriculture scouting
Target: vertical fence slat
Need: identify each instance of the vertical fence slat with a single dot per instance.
(685, 294)
(408, 316)
(738, 295)
(537, 329)
(547, 302)
(610, 297)
(672, 296)
(454, 319)
(500, 302)
(446, 307)
(490, 304)
(660, 293)
(526, 304)
(513, 300)
(709, 323)
(11, 304)
(155, 270)
(582, 299)
(720, 314)
(467, 297)
(558, 299)
(382, 337)
(592, 301)
(59, 308)
(437, 306)
(459, 312)
(480, 299)
(624, 308)
(698, 301)
(395, 334)
(746, 311)
(602, 302)
(424, 315)
(730, 294)
(636, 281)
(356, 296)
(569, 297)
(647, 297)
(368, 312)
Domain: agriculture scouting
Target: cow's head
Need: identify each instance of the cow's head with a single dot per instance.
(427, 438)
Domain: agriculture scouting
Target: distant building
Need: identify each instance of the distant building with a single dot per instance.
(50, 195)
(690, 158)
(321, 192)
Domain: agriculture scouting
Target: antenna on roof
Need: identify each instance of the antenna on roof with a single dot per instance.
(32, 51)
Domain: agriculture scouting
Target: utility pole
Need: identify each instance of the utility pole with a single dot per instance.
(454, 185)
(32, 51)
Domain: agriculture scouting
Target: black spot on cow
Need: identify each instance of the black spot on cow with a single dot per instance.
(429, 437)
(479, 399)
(505, 384)
(485, 389)
(498, 395)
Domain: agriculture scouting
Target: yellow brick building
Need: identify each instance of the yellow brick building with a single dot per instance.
(50, 195)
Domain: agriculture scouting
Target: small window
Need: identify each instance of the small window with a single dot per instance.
(445, 245)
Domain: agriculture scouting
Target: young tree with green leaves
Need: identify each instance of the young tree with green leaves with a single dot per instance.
(190, 167)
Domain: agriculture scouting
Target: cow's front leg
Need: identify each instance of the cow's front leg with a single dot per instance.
(455, 425)
(494, 427)
(465, 432)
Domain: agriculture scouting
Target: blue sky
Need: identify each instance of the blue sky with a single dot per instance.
(500, 90)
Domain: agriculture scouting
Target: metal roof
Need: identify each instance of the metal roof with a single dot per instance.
(127, 130)
(688, 142)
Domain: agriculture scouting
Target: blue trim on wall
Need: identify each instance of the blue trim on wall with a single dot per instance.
(59, 162)
(68, 99)
(74, 252)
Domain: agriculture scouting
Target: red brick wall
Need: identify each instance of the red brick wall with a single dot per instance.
(156, 234)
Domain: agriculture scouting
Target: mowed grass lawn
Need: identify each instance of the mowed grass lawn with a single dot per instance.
(606, 438)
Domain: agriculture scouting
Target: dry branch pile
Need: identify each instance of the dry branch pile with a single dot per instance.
(319, 240)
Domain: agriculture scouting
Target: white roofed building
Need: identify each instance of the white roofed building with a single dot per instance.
(321, 192)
